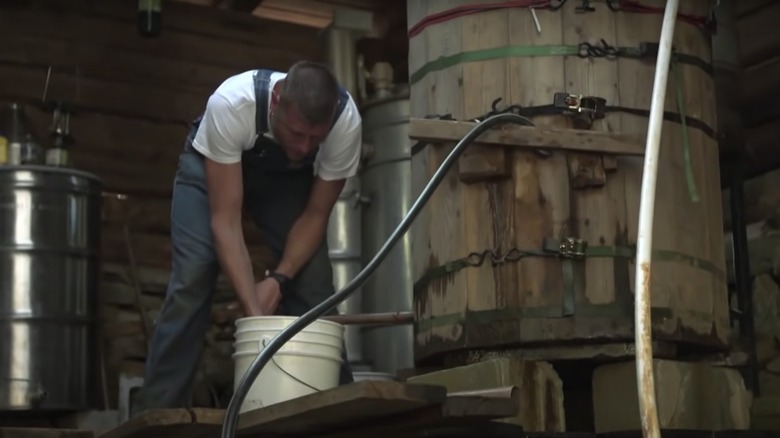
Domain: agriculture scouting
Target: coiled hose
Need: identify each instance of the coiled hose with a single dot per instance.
(230, 422)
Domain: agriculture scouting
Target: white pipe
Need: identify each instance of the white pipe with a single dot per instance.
(648, 409)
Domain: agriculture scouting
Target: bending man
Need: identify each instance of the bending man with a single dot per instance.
(281, 145)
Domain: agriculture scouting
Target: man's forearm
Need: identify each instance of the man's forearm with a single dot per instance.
(234, 260)
(304, 238)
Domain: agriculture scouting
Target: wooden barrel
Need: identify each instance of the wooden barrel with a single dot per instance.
(459, 64)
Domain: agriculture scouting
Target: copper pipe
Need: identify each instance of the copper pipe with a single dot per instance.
(114, 195)
(507, 392)
(390, 318)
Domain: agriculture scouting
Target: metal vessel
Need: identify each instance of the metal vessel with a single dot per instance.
(344, 225)
(386, 184)
(344, 251)
(49, 271)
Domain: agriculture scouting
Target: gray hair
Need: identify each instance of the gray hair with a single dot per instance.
(312, 89)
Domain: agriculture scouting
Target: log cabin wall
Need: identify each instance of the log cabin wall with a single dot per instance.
(134, 98)
(759, 91)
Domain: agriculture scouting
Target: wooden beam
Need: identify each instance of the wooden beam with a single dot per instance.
(435, 131)
(245, 5)
(747, 7)
(757, 42)
(761, 199)
(758, 81)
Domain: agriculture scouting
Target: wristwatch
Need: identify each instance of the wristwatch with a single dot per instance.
(282, 279)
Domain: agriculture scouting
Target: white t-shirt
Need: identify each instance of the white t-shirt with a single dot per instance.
(228, 128)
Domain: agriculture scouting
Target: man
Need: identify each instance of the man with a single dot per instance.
(280, 145)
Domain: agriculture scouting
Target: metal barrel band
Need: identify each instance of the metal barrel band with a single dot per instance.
(644, 51)
(572, 253)
(625, 251)
(616, 310)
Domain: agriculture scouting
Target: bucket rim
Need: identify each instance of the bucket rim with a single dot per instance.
(283, 318)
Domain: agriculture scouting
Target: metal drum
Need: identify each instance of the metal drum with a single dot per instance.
(386, 184)
(344, 252)
(50, 237)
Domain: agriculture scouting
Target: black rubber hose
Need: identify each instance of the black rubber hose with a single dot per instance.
(231, 414)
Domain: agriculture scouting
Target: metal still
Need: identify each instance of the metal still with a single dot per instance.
(50, 231)
(386, 184)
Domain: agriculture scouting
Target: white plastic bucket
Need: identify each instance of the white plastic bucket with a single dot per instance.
(308, 363)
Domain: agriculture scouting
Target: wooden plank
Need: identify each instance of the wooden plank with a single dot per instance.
(155, 249)
(540, 390)
(759, 81)
(37, 432)
(100, 61)
(756, 44)
(133, 140)
(692, 396)
(457, 410)
(171, 423)
(761, 198)
(528, 136)
(745, 7)
(26, 84)
(184, 28)
(340, 407)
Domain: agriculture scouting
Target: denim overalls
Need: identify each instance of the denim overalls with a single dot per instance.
(275, 193)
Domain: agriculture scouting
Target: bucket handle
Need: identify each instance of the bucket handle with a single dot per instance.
(263, 341)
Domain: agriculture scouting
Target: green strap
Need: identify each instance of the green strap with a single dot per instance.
(572, 253)
(689, 177)
(529, 51)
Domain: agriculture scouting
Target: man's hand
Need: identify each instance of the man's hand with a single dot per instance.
(309, 229)
(268, 297)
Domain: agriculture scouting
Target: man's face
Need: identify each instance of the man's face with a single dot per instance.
(297, 136)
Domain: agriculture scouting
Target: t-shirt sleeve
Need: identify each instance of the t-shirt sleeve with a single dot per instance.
(339, 155)
(219, 135)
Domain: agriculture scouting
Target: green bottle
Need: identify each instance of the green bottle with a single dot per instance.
(150, 17)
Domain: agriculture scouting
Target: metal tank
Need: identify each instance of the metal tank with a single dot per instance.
(386, 185)
(344, 223)
(344, 251)
(49, 271)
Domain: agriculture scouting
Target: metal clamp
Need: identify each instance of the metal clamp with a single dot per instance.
(584, 109)
(573, 248)
(613, 5)
(585, 7)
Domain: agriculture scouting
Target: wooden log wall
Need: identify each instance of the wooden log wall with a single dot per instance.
(759, 106)
(135, 97)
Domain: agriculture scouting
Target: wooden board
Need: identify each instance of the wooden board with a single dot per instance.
(367, 408)
(534, 200)
(540, 389)
(344, 406)
(37, 432)
(171, 423)
(437, 131)
(456, 411)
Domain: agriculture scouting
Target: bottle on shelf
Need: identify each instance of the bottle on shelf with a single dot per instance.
(150, 17)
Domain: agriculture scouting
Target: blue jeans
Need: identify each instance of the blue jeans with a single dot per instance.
(274, 201)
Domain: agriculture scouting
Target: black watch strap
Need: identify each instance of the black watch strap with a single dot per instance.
(282, 279)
